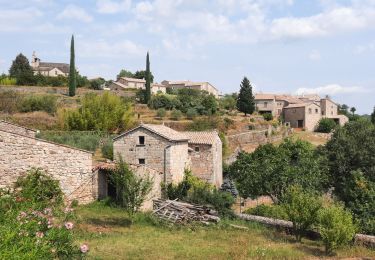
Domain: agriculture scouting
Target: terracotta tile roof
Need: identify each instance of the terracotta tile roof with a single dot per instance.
(119, 84)
(264, 96)
(205, 137)
(290, 99)
(161, 130)
(134, 80)
(9, 123)
(300, 105)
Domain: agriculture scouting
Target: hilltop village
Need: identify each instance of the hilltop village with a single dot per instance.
(178, 151)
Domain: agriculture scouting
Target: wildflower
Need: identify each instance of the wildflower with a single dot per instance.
(49, 223)
(84, 248)
(39, 234)
(48, 211)
(53, 250)
(68, 210)
(21, 215)
(68, 225)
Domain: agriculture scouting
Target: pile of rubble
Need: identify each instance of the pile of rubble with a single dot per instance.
(181, 212)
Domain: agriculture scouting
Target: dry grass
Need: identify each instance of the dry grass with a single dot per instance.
(111, 235)
(315, 138)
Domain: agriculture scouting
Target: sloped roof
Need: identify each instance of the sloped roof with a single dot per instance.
(61, 66)
(264, 96)
(205, 137)
(161, 130)
(290, 99)
(134, 80)
(119, 84)
(301, 105)
(9, 123)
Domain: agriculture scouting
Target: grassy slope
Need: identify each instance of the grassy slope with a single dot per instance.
(111, 235)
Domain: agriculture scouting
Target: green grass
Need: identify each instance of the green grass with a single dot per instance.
(111, 235)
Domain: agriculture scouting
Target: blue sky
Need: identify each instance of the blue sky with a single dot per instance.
(283, 46)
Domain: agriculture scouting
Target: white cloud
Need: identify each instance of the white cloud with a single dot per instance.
(76, 13)
(142, 9)
(315, 55)
(360, 49)
(331, 89)
(112, 7)
(103, 48)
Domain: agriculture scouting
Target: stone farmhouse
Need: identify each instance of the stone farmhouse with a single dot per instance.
(50, 69)
(165, 150)
(299, 111)
(206, 86)
(124, 83)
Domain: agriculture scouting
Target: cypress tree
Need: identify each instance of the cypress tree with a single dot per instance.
(72, 71)
(245, 99)
(373, 116)
(148, 79)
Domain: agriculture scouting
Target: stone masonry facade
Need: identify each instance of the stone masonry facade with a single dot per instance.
(71, 167)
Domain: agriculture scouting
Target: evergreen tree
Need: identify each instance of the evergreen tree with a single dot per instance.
(353, 109)
(148, 79)
(72, 71)
(22, 71)
(373, 116)
(245, 99)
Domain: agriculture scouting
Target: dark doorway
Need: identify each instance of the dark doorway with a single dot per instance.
(111, 189)
(300, 124)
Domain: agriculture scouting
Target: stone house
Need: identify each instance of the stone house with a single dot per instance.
(296, 109)
(20, 151)
(170, 152)
(50, 69)
(132, 83)
(206, 86)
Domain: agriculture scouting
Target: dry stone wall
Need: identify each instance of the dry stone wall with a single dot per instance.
(71, 167)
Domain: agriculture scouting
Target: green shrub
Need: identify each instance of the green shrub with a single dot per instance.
(97, 84)
(47, 103)
(326, 125)
(161, 112)
(194, 190)
(131, 190)
(39, 188)
(228, 122)
(7, 81)
(268, 116)
(335, 226)
(203, 124)
(301, 207)
(176, 114)
(270, 211)
(191, 113)
(107, 112)
(107, 149)
(164, 101)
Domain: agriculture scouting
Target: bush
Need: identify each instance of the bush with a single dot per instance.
(335, 226)
(106, 112)
(45, 103)
(32, 223)
(268, 116)
(301, 207)
(97, 84)
(161, 112)
(203, 124)
(164, 101)
(39, 188)
(191, 113)
(107, 149)
(326, 125)
(194, 190)
(176, 114)
(270, 211)
(7, 81)
(131, 190)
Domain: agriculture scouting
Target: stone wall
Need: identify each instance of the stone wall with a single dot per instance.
(9, 127)
(71, 167)
(202, 164)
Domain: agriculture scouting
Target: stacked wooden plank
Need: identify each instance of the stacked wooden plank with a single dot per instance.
(181, 212)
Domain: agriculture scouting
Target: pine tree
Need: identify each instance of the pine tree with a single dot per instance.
(148, 79)
(72, 71)
(373, 116)
(245, 99)
(22, 71)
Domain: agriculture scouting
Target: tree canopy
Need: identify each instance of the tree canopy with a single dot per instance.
(22, 71)
(245, 99)
(351, 160)
(270, 170)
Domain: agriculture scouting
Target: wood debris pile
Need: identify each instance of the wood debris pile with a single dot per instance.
(181, 212)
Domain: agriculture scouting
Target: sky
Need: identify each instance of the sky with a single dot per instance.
(283, 46)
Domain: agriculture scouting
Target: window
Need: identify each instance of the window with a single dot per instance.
(265, 104)
(196, 149)
(141, 140)
(310, 110)
(142, 161)
(316, 111)
(55, 72)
